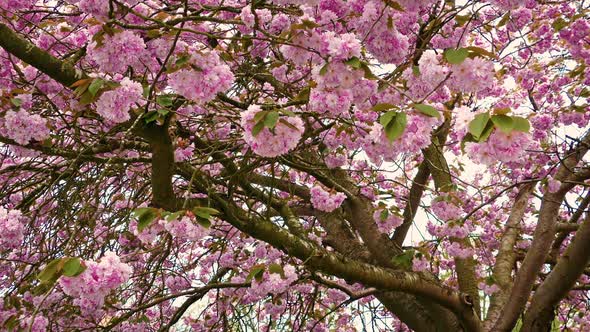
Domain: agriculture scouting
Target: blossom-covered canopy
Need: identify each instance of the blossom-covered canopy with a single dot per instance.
(289, 165)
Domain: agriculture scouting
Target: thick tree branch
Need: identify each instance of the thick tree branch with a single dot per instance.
(542, 240)
(55, 68)
(506, 255)
(560, 281)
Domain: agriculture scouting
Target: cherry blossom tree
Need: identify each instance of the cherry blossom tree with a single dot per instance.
(288, 165)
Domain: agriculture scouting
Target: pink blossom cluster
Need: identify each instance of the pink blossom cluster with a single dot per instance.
(183, 153)
(488, 289)
(472, 75)
(387, 44)
(343, 46)
(40, 324)
(98, 9)
(267, 143)
(202, 84)
(97, 281)
(119, 51)
(14, 5)
(456, 250)
(12, 229)
(445, 210)
(176, 283)
(324, 200)
(114, 105)
(416, 136)
(420, 264)
(388, 224)
(185, 228)
(273, 283)
(500, 147)
(431, 74)
(24, 127)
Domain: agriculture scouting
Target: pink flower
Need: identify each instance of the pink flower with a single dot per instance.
(202, 84)
(325, 201)
(24, 127)
(12, 228)
(282, 139)
(115, 105)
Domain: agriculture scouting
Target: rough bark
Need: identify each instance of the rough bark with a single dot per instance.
(502, 272)
(558, 283)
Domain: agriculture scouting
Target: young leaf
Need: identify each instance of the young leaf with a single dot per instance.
(165, 100)
(73, 267)
(456, 56)
(324, 69)
(257, 128)
(386, 118)
(427, 110)
(145, 216)
(276, 268)
(521, 124)
(383, 107)
(395, 128)
(270, 120)
(16, 102)
(478, 124)
(95, 86)
(260, 115)
(354, 62)
(256, 272)
(503, 122)
(51, 271)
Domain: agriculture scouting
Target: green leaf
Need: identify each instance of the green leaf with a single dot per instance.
(270, 120)
(504, 20)
(277, 269)
(503, 122)
(487, 131)
(368, 74)
(145, 216)
(51, 271)
(16, 102)
(182, 60)
(73, 267)
(165, 100)
(288, 124)
(257, 128)
(480, 51)
(383, 107)
(150, 116)
(87, 98)
(386, 118)
(384, 214)
(256, 272)
(456, 56)
(208, 210)
(96, 85)
(478, 124)
(206, 223)
(173, 216)
(427, 110)
(404, 260)
(354, 62)
(288, 112)
(260, 115)
(416, 70)
(559, 24)
(521, 124)
(324, 69)
(396, 127)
